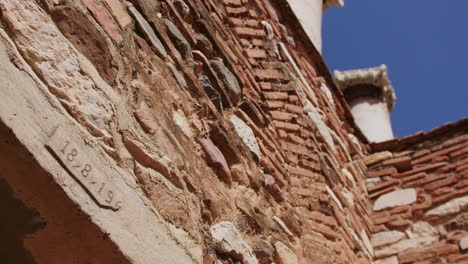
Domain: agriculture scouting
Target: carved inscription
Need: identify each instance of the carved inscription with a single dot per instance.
(75, 159)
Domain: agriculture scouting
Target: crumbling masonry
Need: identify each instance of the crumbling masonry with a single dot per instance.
(210, 131)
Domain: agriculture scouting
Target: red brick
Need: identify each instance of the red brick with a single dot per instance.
(462, 168)
(458, 153)
(437, 184)
(325, 231)
(427, 180)
(294, 148)
(275, 104)
(400, 223)
(421, 169)
(400, 209)
(249, 32)
(294, 181)
(293, 99)
(279, 115)
(275, 95)
(439, 153)
(461, 184)
(236, 11)
(383, 172)
(301, 172)
(383, 185)
(450, 142)
(232, 2)
(420, 153)
(377, 194)
(282, 87)
(455, 165)
(442, 191)
(256, 53)
(457, 258)
(385, 219)
(270, 75)
(430, 252)
(414, 177)
(402, 163)
(445, 197)
(311, 165)
(286, 126)
(319, 217)
(294, 108)
(296, 139)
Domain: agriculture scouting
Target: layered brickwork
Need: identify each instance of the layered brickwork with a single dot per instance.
(216, 112)
(418, 186)
(220, 130)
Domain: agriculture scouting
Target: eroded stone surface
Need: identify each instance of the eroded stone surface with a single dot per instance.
(395, 198)
(229, 241)
(464, 243)
(389, 260)
(246, 134)
(386, 237)
(448, 208)
(216, 159)
(284, 254)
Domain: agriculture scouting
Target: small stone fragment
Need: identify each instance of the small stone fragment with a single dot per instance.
(212, 93)
(177, 75)
(228, 78)
(395, 198)
(464, 243)
(451, 207)
(216, 159)
(182, 45)
(389, 260)
(246, 134)
(273, 188)
(147, 30)
(228, 240)
(284, 255)
(204, 45)
(386, 237)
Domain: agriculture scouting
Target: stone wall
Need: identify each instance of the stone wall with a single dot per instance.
(218, 116)
(181, 132)
(418, 186)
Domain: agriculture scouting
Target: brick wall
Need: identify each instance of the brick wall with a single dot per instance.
(418, 186)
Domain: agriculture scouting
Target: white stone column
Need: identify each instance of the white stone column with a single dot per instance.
(309, 14)
(371, 98)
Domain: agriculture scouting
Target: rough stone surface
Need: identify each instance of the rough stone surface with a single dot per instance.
(395, 198)
(284, 254)
(179, 41)
(148, 31)
(229, 80)
(216, 159)
(449, 208)
(229, 241)
(386, 237)
(246, 134)
(464, 243)
(389, 260)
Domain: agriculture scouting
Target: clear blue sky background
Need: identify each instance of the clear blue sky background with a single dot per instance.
(425, 46)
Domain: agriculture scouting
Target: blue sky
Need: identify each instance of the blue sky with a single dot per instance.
(425, 46)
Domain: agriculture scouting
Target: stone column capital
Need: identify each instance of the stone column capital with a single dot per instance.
(353, 80)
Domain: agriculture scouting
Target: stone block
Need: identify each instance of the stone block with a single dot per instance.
(246, 134)
(386, 238)
(228, 240)
(452, 207)
(284, 255)
(395, 198)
